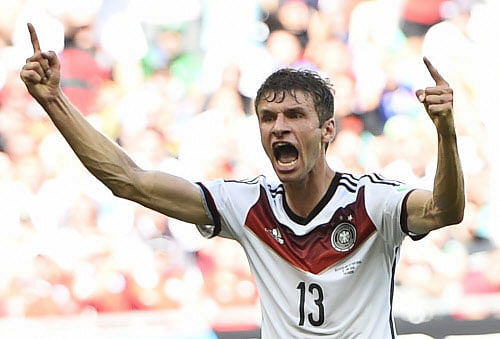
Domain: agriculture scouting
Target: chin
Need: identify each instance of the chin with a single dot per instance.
(287, 177)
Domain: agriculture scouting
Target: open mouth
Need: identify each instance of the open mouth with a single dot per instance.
(285, 154)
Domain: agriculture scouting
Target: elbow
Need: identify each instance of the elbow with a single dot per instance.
(460, 212)
(452, 212)
(122, 184)
(127, 187)
(460, 218)
(453, 220)
(122, 187)
(122, 191)
(453, 217)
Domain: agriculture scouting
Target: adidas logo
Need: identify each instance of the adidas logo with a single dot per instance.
(276, 234)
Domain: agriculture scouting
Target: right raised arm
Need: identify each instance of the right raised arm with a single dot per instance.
(165, 193)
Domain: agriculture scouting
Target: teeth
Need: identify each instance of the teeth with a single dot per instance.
(287, 164)
(280, 144)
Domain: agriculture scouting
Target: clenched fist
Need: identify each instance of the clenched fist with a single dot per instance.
(41, 73)
(438, 101)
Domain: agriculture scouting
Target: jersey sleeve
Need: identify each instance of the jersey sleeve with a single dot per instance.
(386, 206)
(227, 204)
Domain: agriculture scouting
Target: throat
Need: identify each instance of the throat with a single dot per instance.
(286, 154)
(287, 157)
(302, 199)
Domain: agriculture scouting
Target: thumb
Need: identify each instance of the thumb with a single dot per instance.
(420, 95)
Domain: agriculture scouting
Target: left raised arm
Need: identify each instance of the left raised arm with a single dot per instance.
(443, 206)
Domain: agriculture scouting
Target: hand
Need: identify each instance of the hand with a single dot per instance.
(438, 101)
(41, 73)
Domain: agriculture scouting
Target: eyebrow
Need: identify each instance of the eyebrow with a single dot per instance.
(265, 111)
(297, 108)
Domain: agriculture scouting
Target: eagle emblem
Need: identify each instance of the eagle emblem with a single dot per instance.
(343, 237)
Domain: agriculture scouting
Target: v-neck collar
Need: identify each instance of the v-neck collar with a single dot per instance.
(319, 206)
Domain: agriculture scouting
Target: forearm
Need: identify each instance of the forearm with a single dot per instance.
(101, 156)
(162, 192)
(445, 205)
(448, 196)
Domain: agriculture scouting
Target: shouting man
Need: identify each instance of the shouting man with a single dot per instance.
(322, 245)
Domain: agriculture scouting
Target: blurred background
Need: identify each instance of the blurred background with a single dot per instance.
(173, 83)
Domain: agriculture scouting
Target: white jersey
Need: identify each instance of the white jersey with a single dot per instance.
(330, 274)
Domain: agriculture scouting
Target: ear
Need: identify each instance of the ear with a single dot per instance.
(328, 131)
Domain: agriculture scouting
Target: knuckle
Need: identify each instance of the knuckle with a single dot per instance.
(432, 99)
(433, 109)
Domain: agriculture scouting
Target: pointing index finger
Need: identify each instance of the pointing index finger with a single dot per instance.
(435, 74)
(34, 38)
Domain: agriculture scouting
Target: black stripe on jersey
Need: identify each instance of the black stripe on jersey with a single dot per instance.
(322, 203)
(212, 209)
(251, 181)
(275, 191)
(347, 187)
(381, 178)
(353, 181)
(346, 182)
(403, 220)
(391, 321)
(377, 181)
(352, 176)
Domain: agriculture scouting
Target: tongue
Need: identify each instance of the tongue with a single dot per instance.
(287, 155)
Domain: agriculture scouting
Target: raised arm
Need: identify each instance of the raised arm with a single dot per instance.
(168, 194)
(443, 206)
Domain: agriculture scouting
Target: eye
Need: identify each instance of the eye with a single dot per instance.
(266, 117)
(294, 115)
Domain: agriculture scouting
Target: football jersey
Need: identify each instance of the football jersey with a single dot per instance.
(330, 274)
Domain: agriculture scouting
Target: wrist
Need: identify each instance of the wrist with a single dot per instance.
(448, 133)
(446, 128)
(448, 136)
(52, 97)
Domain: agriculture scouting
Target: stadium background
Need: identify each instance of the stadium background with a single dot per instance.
(172, 82)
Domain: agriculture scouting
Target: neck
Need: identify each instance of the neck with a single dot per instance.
(303, 195)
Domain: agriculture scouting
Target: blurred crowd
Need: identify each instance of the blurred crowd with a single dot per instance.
(173, 83)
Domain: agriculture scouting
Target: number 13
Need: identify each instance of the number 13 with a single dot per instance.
(318, 301)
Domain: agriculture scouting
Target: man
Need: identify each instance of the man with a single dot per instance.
(322, 245)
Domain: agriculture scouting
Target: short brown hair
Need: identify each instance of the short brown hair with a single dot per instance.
(288, 81)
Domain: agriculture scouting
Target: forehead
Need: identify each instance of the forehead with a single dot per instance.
(280, 100)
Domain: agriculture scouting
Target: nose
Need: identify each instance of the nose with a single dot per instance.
(280, 126)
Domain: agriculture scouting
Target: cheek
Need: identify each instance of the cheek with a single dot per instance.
(264, 138)
(314, 143)
(312, 125)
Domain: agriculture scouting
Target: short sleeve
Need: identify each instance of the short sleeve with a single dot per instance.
(394, 215)
(227, 204)
(386, 206)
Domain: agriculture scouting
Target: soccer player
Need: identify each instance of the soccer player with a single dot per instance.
(322, 245)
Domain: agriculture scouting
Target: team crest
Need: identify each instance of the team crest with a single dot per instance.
(343, 237)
